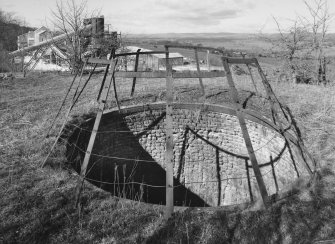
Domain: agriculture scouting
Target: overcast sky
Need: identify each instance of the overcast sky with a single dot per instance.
(179, 16)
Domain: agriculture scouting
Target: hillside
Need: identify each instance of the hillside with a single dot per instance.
(252, 43)
(37, 205)
(10, 28)
(249, 42)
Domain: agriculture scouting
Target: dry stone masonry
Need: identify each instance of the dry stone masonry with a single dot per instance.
(211, 162)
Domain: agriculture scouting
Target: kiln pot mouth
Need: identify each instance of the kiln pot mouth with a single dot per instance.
(211, 162)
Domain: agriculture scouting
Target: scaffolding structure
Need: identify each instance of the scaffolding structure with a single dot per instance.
(280, 116)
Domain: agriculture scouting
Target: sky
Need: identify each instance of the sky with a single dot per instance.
(177, 16)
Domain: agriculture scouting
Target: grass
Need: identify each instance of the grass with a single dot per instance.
(301, 219)
(37, 205)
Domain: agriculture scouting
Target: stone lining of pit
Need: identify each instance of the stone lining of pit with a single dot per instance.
(211, 163)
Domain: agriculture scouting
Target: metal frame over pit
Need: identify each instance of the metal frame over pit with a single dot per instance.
(169, 75)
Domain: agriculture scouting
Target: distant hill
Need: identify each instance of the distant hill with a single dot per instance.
(193, 35)
(237, 41)
(255, 43)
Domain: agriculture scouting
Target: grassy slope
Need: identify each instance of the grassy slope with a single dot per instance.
(36, 205)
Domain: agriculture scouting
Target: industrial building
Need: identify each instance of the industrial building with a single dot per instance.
(155, 61)
(32, 38)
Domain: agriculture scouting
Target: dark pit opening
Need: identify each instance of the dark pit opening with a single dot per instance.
(142, 179)
(211, 163)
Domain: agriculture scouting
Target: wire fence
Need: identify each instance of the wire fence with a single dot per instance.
(81, 129)
(76, 99)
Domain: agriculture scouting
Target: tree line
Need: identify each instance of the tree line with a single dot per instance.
(10, 28)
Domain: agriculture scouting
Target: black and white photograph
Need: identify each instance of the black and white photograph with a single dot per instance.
(167, 121)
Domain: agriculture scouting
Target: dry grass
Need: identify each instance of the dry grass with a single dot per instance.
(303, 218)
(36, 205)
(314, 109)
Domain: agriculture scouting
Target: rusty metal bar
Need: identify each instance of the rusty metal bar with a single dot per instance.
(111, 56)
(202, 49)
(102, 104)
(240, 60)
(115, 94)
(169, 139)
(135, 53)
(250, 73)
(198, 70)
(106, 61)
(135, 70)
(252, 78)
(176, 75)
(274, 101)
(246, 136)
(249, 182)
(66, 118)
(274, 174)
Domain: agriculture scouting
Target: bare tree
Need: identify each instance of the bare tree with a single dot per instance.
(292, 46)
(68, 18)
(303, 43)
(318, 24)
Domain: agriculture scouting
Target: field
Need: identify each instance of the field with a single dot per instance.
(37, 204)
(248, 42)
(255, 45)
(245, 42)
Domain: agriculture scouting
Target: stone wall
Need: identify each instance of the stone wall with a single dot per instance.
(210, 156)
